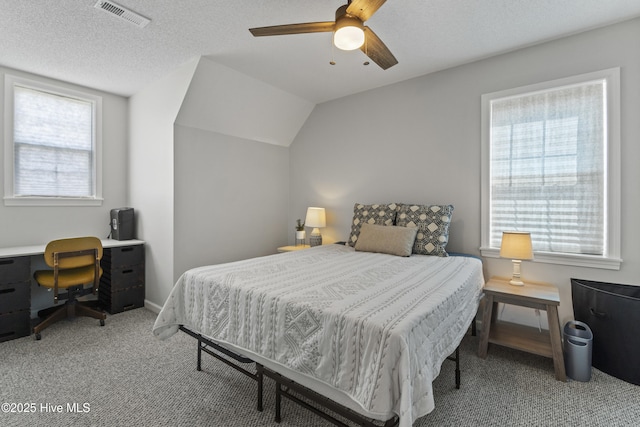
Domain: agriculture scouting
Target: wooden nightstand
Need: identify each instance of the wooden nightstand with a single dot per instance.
(541, 296)
(292, 248)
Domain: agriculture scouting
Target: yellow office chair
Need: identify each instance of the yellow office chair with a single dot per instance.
(76, 263)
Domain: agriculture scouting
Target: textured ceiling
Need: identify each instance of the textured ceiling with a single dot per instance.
(72, 41)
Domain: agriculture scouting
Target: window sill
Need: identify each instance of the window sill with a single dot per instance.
(591, 261)
(52, 201)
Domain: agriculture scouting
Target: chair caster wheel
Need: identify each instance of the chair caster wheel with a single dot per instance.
(38, 337)
(101, 322)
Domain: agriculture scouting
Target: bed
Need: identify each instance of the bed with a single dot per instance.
(366, 329)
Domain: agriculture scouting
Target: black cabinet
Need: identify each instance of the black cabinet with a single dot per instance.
(15, 297)
(122, 281)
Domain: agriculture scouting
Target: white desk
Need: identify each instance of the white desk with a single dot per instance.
(21, 298)
(39, 249)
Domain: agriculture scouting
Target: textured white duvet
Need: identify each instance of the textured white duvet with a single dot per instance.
(376, 327)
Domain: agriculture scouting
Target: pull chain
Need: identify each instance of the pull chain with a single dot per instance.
(332, 62)
(366, 48)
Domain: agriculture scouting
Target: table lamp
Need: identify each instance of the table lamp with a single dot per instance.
(316, 218)
(517, 246)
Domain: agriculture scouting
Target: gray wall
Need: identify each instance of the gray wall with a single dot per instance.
(231, 198)
(231, 180)
(209, 175)
(33, 225)
(152, 113)
(418, 141)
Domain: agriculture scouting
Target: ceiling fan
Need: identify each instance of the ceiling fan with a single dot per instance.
(349, 32)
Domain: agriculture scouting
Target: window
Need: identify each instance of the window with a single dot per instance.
(551, 159)
(52, 145)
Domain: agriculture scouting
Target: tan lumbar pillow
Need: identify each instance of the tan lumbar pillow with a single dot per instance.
(384, 239)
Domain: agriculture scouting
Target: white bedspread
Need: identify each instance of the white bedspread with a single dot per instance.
(377, 327)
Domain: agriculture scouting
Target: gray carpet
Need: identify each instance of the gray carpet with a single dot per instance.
(121, 375)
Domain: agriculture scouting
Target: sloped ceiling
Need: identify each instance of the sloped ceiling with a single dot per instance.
(72, 41)
(222, 100)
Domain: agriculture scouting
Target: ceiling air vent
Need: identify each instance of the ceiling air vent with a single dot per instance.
(122, 13)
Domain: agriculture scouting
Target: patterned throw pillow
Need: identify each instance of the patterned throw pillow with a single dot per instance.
(433, 226)
(370, 214)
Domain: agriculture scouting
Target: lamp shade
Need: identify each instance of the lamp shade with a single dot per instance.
(316, 218)
(516, 245)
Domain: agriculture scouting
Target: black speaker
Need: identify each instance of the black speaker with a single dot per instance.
(122, 222)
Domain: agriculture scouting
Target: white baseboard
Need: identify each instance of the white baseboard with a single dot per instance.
(151, 306)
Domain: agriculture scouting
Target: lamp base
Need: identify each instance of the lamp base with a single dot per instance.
(315, 238)
(515, 279)
(516, 282)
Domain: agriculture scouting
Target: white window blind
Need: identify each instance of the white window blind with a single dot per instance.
(53, 145)
(548, 168)
(550, 163)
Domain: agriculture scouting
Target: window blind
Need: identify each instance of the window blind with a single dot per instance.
(547, 168)
(53, 145)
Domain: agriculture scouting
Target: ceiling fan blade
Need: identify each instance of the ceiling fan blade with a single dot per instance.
(279, 30)
(377, 51)
(364, 9)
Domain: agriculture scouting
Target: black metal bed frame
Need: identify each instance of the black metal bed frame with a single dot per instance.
(285, 386)
(203, 342)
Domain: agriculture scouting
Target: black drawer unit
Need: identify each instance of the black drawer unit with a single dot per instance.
(15, 298)
(15, 325)
(122, 278)
(122, 300)
(14, 270)
(123, 256)
(122, 281)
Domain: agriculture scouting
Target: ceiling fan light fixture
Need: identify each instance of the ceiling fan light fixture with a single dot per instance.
(349, 33)
(348, 38)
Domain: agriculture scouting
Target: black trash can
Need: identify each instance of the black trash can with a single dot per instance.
(612, 311)
(578, 347)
